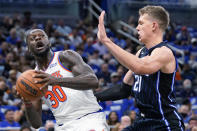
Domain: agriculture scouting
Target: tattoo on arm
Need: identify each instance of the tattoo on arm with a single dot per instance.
(84, 77)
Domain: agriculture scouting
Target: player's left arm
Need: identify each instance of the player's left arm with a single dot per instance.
(84, 77)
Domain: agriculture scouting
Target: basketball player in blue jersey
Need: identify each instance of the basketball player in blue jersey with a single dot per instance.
(68, 83)
(150, 79)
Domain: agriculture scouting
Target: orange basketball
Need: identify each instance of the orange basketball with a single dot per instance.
(26, 87)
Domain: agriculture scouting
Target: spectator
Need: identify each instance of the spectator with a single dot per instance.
(88, 47)
(101, 48)
(94, 59)
(12, 38)
(186, 112)
(104, 73)
(192, 123)
(3, 93)
(63, 29)
(192, 62)
(132, 115)
(125, 121)
(27, 20)
(25, 128)
(9, 120)
(19, 116)
(184, 36)
(74, 38)
(115, 80)
(6, 24)
(49, 28)
(188, 73)
(187, 90)
(12, 78)
(57, 41)
(50, 125)
(112, 119)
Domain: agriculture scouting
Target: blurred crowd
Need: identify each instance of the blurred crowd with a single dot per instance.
(15, 59)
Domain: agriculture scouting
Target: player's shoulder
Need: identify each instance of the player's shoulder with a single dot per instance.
(163, 50)
(69, 55)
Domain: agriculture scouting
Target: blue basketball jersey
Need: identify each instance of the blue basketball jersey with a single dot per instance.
(154, 93)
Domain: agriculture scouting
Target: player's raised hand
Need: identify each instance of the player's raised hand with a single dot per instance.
(101, 34)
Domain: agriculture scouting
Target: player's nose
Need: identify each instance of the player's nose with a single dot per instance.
(137, 28)
(37, 38)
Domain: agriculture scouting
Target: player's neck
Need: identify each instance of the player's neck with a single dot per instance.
(43, 62)
(153, 42)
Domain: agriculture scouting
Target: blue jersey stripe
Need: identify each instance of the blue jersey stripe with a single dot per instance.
(159, 100)
(180, 125)
(172, 86)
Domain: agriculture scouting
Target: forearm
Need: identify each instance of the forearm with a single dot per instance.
(33, 116)
(81, 82)
(114, 93)
(128, 60)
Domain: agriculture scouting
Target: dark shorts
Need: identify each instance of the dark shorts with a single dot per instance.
(147, 124)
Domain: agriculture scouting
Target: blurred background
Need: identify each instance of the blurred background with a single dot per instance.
(72, 24)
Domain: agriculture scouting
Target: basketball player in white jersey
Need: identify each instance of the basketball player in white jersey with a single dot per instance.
(68, 83)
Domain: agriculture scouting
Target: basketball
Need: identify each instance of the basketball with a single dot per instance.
(26, 87)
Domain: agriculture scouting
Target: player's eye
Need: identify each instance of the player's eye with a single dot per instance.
(32, 38)
(42, 36)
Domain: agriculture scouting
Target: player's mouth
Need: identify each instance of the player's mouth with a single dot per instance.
(39, 45)
(139, 37)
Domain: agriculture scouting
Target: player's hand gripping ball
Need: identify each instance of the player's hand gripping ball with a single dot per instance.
(27, 88)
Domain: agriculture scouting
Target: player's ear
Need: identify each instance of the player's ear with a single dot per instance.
(49, 44)
(154, 26)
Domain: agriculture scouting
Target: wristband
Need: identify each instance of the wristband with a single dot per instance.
(28, 104)
(124, 85)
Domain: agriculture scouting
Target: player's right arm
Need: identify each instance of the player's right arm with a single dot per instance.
(33, 114)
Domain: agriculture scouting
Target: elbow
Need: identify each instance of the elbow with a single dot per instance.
(37, 125)
(140, 70)
(94, 81)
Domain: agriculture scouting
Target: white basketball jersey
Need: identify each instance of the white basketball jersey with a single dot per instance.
(65, 103)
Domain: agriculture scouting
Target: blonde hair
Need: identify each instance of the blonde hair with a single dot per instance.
(158, 13)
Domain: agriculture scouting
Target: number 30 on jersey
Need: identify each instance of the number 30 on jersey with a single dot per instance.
(137, 85)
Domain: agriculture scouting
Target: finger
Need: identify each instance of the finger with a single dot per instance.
(45, 86)
(18, 94)
(38, 71)
(101, 17)
(42, 81)
(39, 76)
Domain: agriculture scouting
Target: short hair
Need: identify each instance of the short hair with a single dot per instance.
(193, 118)
(158, 13)
(8, 110)
(28, 32)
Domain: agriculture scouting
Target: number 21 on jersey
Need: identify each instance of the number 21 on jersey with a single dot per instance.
(137, 85)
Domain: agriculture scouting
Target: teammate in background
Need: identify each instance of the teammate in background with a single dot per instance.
(70, 82)
(151, 72)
